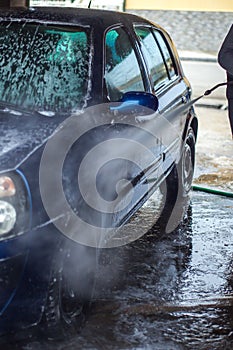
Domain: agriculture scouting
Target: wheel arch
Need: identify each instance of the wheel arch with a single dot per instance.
(194, 126)
(191, 121)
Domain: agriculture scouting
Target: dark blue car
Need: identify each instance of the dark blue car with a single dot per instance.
(94, 118)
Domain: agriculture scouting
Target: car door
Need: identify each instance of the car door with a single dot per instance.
(168, 85)
(124, 72)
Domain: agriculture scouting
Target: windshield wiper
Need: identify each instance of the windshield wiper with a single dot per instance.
(11, 108)
(8, 107)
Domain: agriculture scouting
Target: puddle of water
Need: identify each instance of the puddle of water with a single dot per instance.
(174, 291)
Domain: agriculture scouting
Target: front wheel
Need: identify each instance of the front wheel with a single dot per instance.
(70, 290)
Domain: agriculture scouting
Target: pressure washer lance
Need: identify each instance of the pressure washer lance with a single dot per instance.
(208, 92)
(180, 109)
(207, 189)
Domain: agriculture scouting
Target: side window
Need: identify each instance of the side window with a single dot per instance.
(122, 71)
(157, 56)
(166, 53)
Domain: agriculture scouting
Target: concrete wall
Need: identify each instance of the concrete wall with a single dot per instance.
(192, 30)
(183, 5)
(13, 3)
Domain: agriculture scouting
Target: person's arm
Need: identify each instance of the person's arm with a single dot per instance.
(225, 55)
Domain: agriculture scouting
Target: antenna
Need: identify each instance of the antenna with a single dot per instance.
(89, 5)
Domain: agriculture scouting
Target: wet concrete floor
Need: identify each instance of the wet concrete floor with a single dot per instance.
(170, 291)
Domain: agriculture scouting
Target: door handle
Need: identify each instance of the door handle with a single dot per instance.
(183, 99)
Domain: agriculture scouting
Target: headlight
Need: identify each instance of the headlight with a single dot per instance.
(14, 213)
(7, 217)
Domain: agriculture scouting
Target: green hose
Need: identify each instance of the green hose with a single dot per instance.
(213, 191)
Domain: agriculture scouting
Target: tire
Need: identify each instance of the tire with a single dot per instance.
(187, 163)
(70, 291)
(178, 184)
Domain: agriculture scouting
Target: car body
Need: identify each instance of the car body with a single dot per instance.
(123, 72)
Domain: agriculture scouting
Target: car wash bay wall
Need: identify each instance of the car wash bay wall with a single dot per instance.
(14, 3)
(201, 31)
(195, 25)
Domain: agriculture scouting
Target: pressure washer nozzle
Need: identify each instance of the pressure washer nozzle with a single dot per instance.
(208, 92)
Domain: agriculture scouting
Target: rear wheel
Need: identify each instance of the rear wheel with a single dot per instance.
(186, 164)
(178, 184)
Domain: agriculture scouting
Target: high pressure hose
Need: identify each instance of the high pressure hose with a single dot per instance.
(207, 189)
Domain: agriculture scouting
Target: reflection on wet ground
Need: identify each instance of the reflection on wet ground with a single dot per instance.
(165, 291)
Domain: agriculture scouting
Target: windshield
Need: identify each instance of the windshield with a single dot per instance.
(43, 67)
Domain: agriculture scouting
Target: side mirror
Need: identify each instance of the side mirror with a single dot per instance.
(144, 99)
(137, 102)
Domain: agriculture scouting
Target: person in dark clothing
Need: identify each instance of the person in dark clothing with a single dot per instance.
(225, 59)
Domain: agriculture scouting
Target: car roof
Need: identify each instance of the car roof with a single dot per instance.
(61, 15)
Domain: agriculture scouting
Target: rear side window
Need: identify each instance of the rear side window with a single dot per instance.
(157, 56)
(122, 70)
(167, 56)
